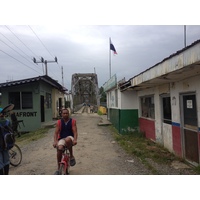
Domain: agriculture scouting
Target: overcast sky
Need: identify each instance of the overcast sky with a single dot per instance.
(83, 48)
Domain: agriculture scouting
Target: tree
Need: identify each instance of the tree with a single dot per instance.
(102, 94)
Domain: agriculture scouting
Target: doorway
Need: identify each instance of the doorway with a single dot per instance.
(190, 128)
(42, 108)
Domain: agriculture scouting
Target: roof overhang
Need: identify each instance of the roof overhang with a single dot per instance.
(44, 78)
(177, 67)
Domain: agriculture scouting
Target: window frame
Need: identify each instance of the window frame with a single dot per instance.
(147, 106)
(19, 105)
(165, 119)
(48, 100)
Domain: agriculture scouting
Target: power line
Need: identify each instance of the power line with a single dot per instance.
(47, 51)
(21, 41)
(19, 61)
(16, 51)
(27, 48)
(40, 41)
(14, 44)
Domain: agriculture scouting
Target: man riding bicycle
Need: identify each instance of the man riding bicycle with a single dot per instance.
(65, 135)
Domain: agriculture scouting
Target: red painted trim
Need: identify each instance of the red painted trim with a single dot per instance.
(148, 127)
(176, 138)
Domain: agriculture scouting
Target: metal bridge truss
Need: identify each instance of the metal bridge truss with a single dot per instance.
(84, 89)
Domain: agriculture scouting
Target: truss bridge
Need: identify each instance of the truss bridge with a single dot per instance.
(84, 90)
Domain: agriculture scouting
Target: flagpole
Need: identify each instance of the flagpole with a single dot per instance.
(184, 35)
(110, 57)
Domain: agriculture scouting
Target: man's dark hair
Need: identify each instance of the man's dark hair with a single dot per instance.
(65, 109)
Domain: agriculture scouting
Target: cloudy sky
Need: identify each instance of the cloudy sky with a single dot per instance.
(84, 48)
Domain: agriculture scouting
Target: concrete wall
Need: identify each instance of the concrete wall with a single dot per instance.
(123, 110)
(128, 100)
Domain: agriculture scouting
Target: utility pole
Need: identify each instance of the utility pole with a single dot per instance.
(184, 35)
(45, 62)
(62, 76)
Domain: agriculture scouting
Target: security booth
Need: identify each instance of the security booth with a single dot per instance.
(33, 99)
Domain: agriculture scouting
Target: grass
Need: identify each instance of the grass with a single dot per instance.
(99, 112)
(136, 144)
(31, 136)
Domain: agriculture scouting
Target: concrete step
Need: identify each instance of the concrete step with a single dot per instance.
(104, 121)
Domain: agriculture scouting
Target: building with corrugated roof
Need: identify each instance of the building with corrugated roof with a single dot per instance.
(163, 103)
(37, 100)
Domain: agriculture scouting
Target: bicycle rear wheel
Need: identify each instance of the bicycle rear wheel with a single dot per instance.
(15, 155)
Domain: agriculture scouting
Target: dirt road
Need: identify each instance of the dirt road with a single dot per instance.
(96, 153)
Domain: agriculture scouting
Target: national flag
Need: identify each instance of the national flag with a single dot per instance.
(112, 48)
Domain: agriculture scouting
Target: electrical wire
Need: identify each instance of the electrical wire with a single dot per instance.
(40, 41)
(19, 61)
(21, 41)
(14, 44)
(17, 52)
(27, 48)
(44, 47)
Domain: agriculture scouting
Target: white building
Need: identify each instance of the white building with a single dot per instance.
(166, 99)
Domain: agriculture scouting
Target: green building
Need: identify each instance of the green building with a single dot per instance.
(37, 100)
(122, 108)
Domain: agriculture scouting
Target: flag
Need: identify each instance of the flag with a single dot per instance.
(112, 48)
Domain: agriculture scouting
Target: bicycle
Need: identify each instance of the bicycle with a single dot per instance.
(64, 164)
(15, 155)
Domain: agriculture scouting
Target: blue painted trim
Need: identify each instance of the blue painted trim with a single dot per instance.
(178, 125)
(175, 124)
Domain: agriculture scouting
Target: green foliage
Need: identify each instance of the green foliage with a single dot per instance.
(99, 112)
(103, 95)
(145, 149)
(197, 169)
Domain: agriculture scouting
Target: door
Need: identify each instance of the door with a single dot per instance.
(42, 108)
(190, 128)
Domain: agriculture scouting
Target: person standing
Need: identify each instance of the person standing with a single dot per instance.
(14, 123)
(65, 135)
(4, 155)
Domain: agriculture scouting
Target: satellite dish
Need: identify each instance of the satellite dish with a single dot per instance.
(8, 108)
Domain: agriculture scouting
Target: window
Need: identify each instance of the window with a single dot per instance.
(113, 99)
(27, 100)
(14, 98)
(48, 100)
(147, 105)
(166, 104)
(21, 100)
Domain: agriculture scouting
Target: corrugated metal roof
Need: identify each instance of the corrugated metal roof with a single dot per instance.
(126, 84)
(44, 78)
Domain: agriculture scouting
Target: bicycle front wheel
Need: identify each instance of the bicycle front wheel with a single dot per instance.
(61, 170)
(15, 155)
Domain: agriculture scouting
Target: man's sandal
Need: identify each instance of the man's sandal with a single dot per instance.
(72, 161)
